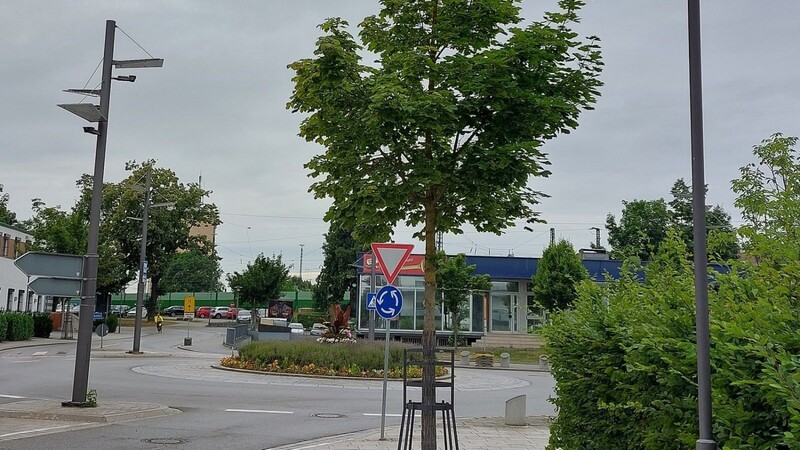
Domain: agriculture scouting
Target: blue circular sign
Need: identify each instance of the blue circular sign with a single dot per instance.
(389, 302)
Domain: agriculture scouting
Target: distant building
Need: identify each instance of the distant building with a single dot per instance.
(14, 293)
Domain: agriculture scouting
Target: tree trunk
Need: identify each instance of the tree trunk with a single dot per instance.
(151, 300)
(429, 333)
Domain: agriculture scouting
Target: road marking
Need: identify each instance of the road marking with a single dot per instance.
(390, 415)
(258, 411)
(39, 354)
(10, 396)
(36, 430)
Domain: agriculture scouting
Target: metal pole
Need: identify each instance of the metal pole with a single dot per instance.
(89, 287)
(385, 380)
(137, 329)
(706, 438)
(371, 333)
(301, 262)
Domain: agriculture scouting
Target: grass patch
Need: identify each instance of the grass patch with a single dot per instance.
(359, 359)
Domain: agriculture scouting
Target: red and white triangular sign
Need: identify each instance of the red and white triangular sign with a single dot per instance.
(391, 257)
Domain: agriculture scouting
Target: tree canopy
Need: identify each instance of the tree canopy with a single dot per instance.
(557, 276)
(455, 283)
(191, 271)
(7, 216)
(260, 282)
(446, 126)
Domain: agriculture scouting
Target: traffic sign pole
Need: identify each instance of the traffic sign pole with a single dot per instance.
(385, 381)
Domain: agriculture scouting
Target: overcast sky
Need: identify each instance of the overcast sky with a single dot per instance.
(217, 109)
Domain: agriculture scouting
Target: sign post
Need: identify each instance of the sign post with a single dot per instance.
(57, 274)
(188, 305)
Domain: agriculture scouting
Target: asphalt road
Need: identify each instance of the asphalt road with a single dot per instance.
(221, 408)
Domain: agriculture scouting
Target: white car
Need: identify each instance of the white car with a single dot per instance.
(243, 316)
(132, 312)
(297, 327)
(220, 312)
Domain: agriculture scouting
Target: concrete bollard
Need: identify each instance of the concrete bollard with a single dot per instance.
(465, 358)
(544, 363)
(515, 411)
(505, 360)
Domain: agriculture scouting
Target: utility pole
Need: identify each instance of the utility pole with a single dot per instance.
(371, 332)
(301, 262)
(137, 328)
(552, 236)
(596, 236)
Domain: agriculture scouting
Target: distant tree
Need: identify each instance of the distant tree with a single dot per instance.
(723, 245)
(641, 229)
(557, 276)
(338, 271)
(455, 283)
(260, 282)
(456, 90)
(7, 216)
(191, 271)
(168, 229)
(295, 283)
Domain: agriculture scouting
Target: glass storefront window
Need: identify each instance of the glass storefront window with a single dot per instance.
(477, 312)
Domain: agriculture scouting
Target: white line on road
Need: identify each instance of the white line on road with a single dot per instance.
(35, 431)
(390, 415)
(10, 396)
(39, 354)
(258, 411)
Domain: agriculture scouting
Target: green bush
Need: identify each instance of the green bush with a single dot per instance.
(20, 327)
(3, 327)
(366, 355)
(625, 362)
(42, 325)
(310, 318)
(112, 321)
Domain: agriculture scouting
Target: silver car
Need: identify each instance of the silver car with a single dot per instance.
(220, 312)
(243, 316)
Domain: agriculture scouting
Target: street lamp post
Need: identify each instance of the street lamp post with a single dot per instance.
(137, 327)
(99, 114)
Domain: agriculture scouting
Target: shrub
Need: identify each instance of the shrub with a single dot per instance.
(308, 319)
(112, 321)
(20, 327)
(3, 327)
(624, 360)
(42, 325)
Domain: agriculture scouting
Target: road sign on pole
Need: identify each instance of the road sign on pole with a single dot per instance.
(389, 302)
(58, 287)
(55, 265)
(371, 301)
(391, 257)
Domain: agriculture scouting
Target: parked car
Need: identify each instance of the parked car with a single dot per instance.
(232, 313)
(132, 312)
(219, 312)
(297, 327)
(203, 312)
(119, 310)
(172, 311)
(243, 316)
(318, 329)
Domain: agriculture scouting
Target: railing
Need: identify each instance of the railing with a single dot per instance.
(235, 334)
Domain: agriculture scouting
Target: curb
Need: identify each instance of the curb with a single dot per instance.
(105, 413)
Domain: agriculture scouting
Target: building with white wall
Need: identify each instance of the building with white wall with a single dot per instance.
(14, 292)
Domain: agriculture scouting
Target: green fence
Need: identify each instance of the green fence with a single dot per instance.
(301, 299)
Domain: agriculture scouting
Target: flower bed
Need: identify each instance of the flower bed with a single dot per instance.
(361, 359)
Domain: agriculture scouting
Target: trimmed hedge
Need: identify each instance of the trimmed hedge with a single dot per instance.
(367, 355)
(19, 326)
(3, 327)
(625, 362)
(42, 325)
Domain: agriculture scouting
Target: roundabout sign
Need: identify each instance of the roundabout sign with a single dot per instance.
(389, 302)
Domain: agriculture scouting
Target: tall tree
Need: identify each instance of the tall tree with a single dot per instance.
(260, 282)
(768, 194)
(191, 271)
(445, 127)
(295, 283)
(722, 236)
(7, 216)
(641, 229)
(455, 282)
(557, 276)
(168, 229)
(338, 271)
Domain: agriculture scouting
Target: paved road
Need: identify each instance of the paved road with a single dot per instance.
(222, 408)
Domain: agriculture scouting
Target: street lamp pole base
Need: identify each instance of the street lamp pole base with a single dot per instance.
(131, 352)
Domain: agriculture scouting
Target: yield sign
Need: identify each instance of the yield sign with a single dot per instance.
(391, 257)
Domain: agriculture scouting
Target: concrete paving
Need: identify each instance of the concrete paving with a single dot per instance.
(49, 416)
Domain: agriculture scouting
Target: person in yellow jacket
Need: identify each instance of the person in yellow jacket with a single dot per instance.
(159, 321)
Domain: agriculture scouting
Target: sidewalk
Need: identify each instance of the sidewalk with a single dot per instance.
(479, 433)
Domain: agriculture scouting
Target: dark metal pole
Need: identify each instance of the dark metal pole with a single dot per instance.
(371, 333)
(137, 327)
(706, 438)
(90, 263)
